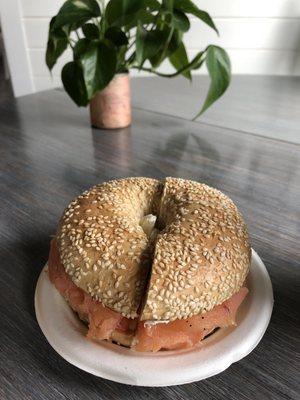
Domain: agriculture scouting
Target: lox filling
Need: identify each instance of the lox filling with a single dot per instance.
(185, 333)
(104, 323)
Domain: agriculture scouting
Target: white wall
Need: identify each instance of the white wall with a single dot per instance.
(261, 36)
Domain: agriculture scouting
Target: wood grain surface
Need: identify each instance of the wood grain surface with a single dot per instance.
(49, 153)
(262, 105)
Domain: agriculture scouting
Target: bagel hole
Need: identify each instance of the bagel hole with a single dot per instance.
(159, 224)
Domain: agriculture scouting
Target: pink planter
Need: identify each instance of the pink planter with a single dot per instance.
(111, 108)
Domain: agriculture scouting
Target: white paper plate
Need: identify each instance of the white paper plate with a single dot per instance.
(66, 334)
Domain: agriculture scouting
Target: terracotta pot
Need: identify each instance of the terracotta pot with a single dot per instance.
(111, 108)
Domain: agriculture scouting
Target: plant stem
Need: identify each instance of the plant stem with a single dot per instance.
(153, 71)
(188, 67)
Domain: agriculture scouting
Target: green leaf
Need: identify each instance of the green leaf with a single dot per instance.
(91, 31)
(142, 16)
(148, 44)
(165, 48)
(219, 68)
(121, 12)
(179, 59)
(121, 53)
(187, 6)
(180, 21)
(80, 48)
(72, 78)
(55, 48)
(116, 36)
(56, 45)
(99, 66)
(76, 13)
(175, 41)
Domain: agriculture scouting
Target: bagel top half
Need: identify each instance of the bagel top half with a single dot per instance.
(198, 258)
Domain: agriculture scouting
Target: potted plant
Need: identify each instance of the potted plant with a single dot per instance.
(108, 39)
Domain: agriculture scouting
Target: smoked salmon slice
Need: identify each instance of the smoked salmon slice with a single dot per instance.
(181, 334)
(103, 322)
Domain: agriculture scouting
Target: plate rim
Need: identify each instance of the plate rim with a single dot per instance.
(232, 356)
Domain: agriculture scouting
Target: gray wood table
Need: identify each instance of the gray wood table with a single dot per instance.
(247, 146)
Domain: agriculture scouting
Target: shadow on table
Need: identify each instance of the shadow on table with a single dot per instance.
(33, 254)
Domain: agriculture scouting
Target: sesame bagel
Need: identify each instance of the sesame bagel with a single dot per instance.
(102, 245)
(202, 255)
(143, 252)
